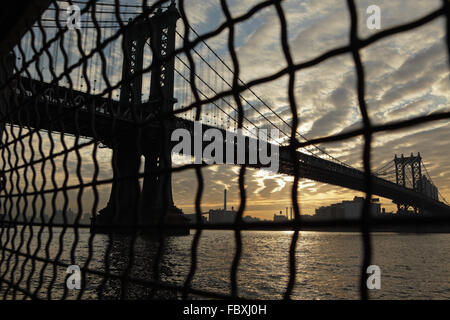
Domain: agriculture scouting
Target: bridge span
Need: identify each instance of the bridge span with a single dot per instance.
(119, 124)
(65, 110)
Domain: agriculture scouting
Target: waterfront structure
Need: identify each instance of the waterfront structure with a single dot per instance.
(348, 209)
(192, 217)
(222, 215)
(280, 217)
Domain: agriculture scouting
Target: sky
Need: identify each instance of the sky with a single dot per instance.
(406, 75)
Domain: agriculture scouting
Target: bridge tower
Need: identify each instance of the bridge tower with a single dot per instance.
(157, 188)
(127, 201)
(403, 165)
(6, 70)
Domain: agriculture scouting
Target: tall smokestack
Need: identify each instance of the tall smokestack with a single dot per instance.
(225, 200)
(292, 217)
(287, 214)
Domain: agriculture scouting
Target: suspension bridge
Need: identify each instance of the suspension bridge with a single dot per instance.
(135, 90)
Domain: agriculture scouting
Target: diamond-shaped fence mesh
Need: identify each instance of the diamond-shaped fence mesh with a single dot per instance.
(74, 123)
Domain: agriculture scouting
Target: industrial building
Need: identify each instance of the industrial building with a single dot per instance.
(193, 217)
(279, 217)
(349, 210)
(284, 217)
(222, 215)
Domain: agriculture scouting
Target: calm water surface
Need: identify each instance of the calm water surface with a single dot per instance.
(413, 266)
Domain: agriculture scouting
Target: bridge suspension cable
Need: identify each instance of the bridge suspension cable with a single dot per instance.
(320, 150)
(109, 4)
(264, 103)
(205, 96)
(225, 81)
(205, 80)
(383, 169)
(429, 177)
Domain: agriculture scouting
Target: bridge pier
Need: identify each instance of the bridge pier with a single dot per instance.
(127, 200)
(130, 207)
(157, 187)
(123, 205)
(156, 194)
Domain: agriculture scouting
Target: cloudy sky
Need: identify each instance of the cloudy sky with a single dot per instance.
(407, 75)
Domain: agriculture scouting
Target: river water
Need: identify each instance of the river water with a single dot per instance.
(413, 266)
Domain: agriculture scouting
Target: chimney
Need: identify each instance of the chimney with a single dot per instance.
(287, 213)
(292, 217)
(225, 200)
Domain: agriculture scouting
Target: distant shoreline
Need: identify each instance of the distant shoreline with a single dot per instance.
(444, 229)
(426, 228)
(338, 228)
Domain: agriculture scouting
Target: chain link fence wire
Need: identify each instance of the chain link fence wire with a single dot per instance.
(55, 118)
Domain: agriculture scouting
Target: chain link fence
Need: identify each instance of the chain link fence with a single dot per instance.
(54, 129)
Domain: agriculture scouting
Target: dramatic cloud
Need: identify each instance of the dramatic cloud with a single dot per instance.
(406, 75)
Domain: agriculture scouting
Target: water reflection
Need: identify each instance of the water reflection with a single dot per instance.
(328, 264)
(135, 257)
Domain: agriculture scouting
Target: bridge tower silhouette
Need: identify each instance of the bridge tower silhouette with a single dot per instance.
(128, 204)
(412, 163)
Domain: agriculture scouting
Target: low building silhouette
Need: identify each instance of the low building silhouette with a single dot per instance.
(348, 209)
(280, 217)
(251, 219)
(222, 215)
(193, 217)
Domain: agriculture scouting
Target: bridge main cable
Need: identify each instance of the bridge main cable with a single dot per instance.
(223, 62)
(429, 177)
(262, 101)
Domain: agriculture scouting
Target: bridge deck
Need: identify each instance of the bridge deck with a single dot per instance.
(64, 110)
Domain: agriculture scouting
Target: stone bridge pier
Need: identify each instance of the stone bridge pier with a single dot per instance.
(133, 205)
(129, 204)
